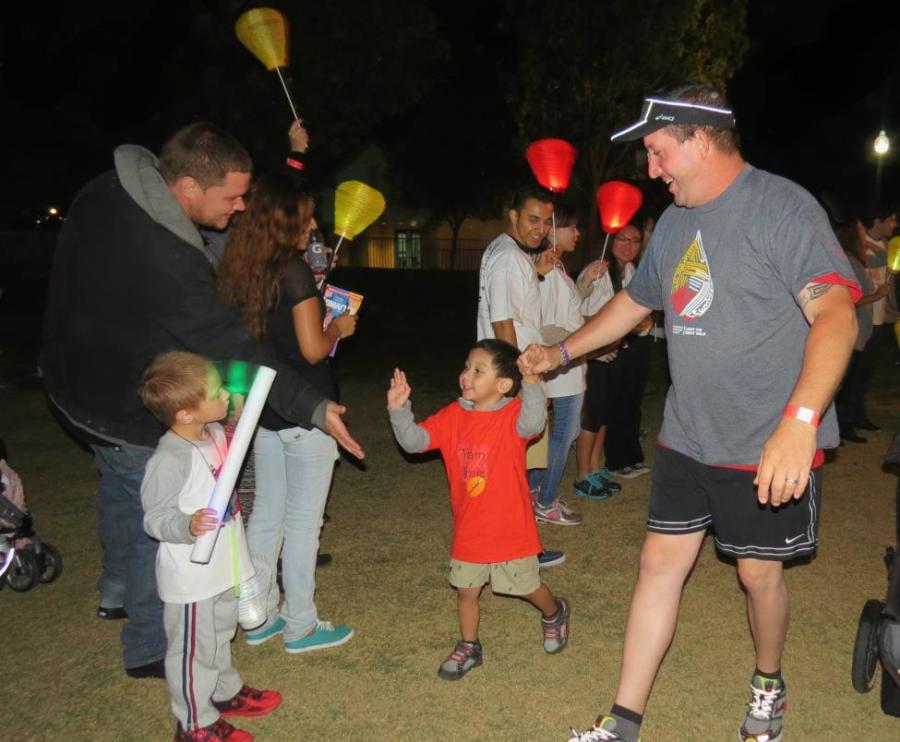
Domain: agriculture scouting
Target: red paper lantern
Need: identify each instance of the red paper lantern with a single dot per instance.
(551, 162)
(617, 202)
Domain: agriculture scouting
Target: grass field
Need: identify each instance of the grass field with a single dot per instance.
(389, 533)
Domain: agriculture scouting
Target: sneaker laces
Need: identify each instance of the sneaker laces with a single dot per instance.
(595, 734)
(461, 652)
(324, 626)
(762, 702)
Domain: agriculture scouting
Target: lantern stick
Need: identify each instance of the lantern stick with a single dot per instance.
(605, 243)
(287, 93)
(336, 248)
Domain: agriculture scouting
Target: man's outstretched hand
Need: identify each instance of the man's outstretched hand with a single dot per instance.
(335, 427)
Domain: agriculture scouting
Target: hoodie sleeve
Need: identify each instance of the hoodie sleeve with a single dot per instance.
(164, 480)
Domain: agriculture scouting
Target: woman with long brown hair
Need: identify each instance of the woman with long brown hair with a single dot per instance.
(263, 272)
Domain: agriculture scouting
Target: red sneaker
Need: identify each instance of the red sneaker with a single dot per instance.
(249, 702)
(220, 731)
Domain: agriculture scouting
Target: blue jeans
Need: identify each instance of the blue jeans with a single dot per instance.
(129, 554)
(293, 476)
(563, 430)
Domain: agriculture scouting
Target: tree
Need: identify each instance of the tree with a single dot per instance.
(453, 154)
(583, 68)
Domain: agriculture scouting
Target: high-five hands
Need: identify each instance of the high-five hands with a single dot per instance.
(399, 390)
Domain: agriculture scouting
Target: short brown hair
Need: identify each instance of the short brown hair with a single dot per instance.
(726, 140)
(175, 380)
(204, 152)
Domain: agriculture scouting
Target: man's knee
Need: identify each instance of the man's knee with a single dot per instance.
(669, 556)
(759, 575)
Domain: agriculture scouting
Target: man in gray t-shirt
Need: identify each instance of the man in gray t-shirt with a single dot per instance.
(758, 299)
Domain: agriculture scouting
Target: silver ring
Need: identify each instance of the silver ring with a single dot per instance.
(791, 481)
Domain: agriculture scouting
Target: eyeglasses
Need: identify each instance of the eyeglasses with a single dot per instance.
(632, 240)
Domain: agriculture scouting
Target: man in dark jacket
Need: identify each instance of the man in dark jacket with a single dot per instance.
(132, 278)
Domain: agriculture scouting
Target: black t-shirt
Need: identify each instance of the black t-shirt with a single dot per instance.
(297, 285)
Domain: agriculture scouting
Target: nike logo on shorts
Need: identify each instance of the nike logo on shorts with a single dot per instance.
(794, 538)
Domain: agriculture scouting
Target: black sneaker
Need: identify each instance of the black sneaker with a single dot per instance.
(551, 558)
(111, 614)
(150, 670)
(464, 657)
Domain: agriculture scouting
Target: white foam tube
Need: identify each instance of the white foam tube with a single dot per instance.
(240, 442)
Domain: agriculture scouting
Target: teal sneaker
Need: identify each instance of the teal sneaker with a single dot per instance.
(587, 489)
(262, 635)
(602, 478)
(326, 635)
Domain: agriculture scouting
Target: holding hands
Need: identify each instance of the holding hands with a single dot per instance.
(539, 359)
(399, 390)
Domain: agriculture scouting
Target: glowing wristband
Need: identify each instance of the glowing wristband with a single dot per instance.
(804, 414)
(566, 358)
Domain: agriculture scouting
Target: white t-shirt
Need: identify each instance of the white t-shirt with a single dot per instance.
(561, 307)
(601, 292)
(177, 483)
(508, 289)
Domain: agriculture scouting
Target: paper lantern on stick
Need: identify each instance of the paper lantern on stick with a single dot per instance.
(264, 31)
(893, 255)
(356, 206)
(617, 203)
(551, 161)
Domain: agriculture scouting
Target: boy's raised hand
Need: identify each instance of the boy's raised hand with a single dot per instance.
(202, 521)
(399, 390)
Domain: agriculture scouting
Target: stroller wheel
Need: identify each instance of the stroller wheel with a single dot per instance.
(52, 563)
(22, 574)
(865, 650)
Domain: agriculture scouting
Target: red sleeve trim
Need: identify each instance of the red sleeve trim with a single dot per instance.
(839, 280)
(296, 164)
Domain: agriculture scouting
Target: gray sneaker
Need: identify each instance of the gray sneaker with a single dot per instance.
(604, 730)
(765, 711)
(555, 632)
(464, 657)
(557, 513)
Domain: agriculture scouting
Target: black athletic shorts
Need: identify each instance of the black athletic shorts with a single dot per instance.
(687, 496)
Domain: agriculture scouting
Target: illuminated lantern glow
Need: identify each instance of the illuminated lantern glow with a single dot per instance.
(264, 31)
(617, 202)
(356, 206)
(893, 255)
(551, 161)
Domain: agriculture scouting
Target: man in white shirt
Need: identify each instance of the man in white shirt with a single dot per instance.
(509, 297)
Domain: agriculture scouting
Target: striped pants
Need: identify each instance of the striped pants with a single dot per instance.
(198, 658)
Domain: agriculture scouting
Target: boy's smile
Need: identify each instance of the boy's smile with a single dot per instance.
(479, 382)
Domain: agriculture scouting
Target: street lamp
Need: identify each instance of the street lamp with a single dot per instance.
(881, 146)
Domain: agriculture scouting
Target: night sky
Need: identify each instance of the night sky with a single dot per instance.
(818, 82)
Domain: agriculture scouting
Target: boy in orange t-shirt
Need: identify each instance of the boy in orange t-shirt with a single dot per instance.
(482, 438)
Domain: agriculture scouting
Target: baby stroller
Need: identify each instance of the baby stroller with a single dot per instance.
(25, 560)
(878, 634)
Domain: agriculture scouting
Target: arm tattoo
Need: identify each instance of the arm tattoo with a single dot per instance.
(813, 291)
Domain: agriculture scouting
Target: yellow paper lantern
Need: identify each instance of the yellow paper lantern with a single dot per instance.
(264, 31)
(356, 206)
(893, 255)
